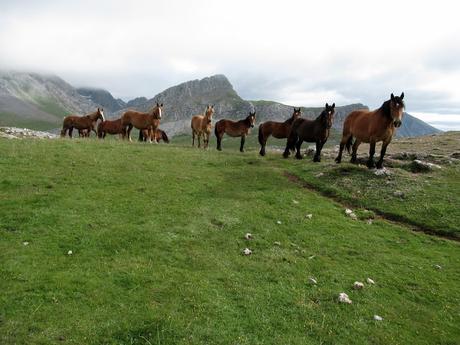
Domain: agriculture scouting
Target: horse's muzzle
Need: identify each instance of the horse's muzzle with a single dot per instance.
(397, 123)
(252, 126)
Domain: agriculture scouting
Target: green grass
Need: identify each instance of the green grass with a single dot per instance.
(9, 119)
(157, 232)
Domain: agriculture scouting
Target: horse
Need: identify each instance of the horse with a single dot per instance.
(316, 130)
(372, 127)
(149, 121)
(87, 122)
(234, 129)
(202, 125)
(157, 135)
(278, 130)
(109, 127)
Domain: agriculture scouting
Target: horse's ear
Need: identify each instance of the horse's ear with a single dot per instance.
(161, 104)
(392, 97)
(402, 95)
(333, 105)
(327, 105)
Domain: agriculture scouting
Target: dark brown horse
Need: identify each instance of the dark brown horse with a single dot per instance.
(234, 129)
(316, 131)
(149, 121)
(201, 126)
(371, 127)
(109, 127)
(157, 136)
(278, 130)
(87, 122)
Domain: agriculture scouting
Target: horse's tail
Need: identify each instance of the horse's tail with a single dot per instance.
(164, 136)
(216, 131)
(261, 135)
(349, 143)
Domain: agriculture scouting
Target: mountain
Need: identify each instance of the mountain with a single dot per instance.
(103, 98)
(38, 101)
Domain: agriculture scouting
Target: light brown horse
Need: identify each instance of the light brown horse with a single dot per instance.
(202, 126)
(234, 129)
(149, 121)
(109, 127)
(87, 122)
(278, 130)
(371, 127)
(157, 135)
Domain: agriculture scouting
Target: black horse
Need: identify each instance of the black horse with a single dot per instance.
(316, 131)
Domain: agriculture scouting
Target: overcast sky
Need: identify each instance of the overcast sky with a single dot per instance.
(296, 52)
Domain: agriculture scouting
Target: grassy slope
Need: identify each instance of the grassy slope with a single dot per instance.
(156, 233)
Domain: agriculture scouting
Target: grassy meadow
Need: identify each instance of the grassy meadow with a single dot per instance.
(156, 234)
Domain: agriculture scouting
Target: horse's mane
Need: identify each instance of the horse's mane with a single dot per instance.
(385, 108)
(290, 120)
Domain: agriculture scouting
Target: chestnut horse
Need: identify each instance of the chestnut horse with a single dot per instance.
(157, 136)
(149, 121)
(201, 126)
(87, 122)
(234, 129)
(316, 131)
(279, 130)
(372, 127)
(109, 127)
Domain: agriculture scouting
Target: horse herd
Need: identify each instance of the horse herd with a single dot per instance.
(364, 126)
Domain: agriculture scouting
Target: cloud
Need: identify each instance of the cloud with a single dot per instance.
(292, 51)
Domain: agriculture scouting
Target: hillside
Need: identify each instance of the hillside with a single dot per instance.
(103, 98)
(96, 249)
(38, 101)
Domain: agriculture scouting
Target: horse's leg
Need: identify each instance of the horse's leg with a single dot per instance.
(206, 140)
(382, 153)
(298, 145)
(370, 162)
(319, 147)
(70, 132)
(262, 141)
(199, 139)
(219, 141)
(355, 150)
(243, 139)
(130, 128)
(193, 138)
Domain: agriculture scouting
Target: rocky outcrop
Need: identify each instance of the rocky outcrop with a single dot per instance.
(19, 133)
(103, 98)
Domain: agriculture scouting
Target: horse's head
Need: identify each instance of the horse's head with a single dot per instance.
(397, 109)
(100, 114)
(251, 118)
(328, 115)
(296, 114)
(157, 111)
(209, 112)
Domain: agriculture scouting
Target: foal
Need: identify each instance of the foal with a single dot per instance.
(234, 129)
(109, 127)
(202, 125)
(278, 130)
(371, 127)
(157, 135)
(310, 131)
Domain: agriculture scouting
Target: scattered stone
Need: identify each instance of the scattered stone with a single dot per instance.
(320, 174)
(247, 251)
(248, 236)
(312, 281)
(277, 243)
(358, 285)
(382, 172)
(25, 243)
(343, 298)
(370, 281)
(438, 267)
(369, 221)
(348, 211)
(378, 318)
(351, 214)
(422, 166)
(309, 216)
(69, 252)
(295, 202)
(278, 222)
(19, 133)
(311, 257)
(398, 194)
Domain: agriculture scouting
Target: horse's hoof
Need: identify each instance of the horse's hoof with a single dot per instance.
(338, 161)
(316, 160)
(379, 165)
(298, 157)
(370, 164)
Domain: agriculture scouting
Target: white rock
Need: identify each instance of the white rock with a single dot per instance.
(358, 285)
(69, 252)
(353, 216)
(247, 251)
(309, 216)
(248, 236)
(25, 243)
(378, 318)
(311, 257)
(382, 172)
(312, 280)
(278, 222)
(295, 202)
(439, 267)
(370, 281)
(277, 243)
(348, 211)
(320, 174)
(343, 298)
(369, 221)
